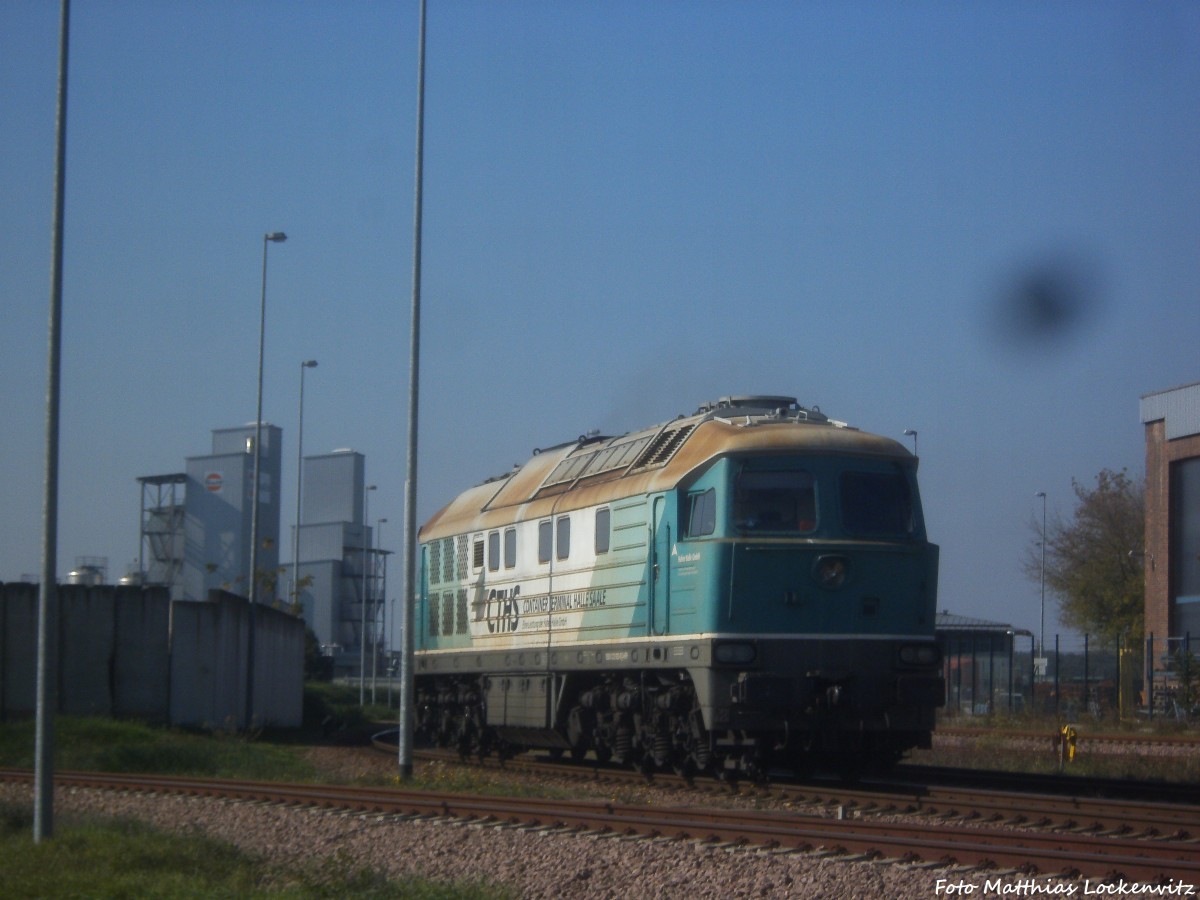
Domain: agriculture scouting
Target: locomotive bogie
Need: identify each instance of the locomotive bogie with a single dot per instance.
(748, 586)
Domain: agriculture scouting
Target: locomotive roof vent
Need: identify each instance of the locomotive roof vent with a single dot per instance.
(659, 451)
(762, 406)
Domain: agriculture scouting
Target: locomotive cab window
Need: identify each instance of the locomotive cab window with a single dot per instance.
(877, 504)
(702, 513)
(774, 501)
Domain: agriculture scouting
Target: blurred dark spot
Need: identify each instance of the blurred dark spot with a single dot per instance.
(1048, 300)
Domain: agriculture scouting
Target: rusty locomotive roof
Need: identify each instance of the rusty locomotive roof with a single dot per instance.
(593, 470)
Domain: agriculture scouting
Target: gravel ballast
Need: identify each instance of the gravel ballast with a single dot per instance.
(533, 863)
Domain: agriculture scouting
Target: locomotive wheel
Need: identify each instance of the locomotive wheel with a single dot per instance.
(580, 724)
(470, 739)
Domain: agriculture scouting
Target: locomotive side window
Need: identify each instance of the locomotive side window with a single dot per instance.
(510, 548)
(876, 504)
(702, 513)
(494, 551)
(545, 541)
(775, 501)
(564, 537)
(602, 530)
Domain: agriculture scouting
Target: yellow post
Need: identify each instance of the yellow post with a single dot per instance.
(1066, 745)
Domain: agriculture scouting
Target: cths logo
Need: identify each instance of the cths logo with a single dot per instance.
(503, 610)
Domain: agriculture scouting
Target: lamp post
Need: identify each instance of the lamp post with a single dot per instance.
(912, 433)
(271, 237)
(375, 626)
(1042, 628)
(47, 610)
(362, 636)
(404, 737)
(306, 364)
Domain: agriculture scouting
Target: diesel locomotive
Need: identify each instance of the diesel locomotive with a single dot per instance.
(746, 587)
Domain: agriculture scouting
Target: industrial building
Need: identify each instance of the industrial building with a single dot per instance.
(195, 538)
(340, 574)
(1172, 423)
(200, 541)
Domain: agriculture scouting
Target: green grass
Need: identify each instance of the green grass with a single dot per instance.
(101, 858)
(111, 745)
(97, 858)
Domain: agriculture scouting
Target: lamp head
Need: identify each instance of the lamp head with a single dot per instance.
(309, 364)
(275, 237)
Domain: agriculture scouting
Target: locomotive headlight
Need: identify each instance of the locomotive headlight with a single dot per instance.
(831, 571)
(734, 653)
(919, 654)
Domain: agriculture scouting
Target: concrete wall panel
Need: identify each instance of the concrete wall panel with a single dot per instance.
(279, 669)
(208, 651)
(86, 632)
(18, 649)
(142, 653)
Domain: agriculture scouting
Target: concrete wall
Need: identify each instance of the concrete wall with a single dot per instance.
(279, 669)
(208, 674)
(208, 665)
(87, 628)
(129, 651)
(18, 648)
(141, 653)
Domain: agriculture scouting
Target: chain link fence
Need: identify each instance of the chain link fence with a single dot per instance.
(1076, 676)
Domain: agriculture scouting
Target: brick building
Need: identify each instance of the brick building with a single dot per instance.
(1172, 422)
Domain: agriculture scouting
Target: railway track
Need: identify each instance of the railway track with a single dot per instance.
(1100, 858)
(1146, 812)
(943, 843)
(1086, 738)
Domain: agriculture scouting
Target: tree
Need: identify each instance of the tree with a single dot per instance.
(1095, 563)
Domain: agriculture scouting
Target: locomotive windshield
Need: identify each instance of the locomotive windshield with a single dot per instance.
(877, 504)
(775, 501)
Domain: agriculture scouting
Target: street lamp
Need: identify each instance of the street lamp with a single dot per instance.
(912, 433)
(362, 636)
(307, 364)
(271, 237)
(404, 736)
(1042, 630)
(375, 626)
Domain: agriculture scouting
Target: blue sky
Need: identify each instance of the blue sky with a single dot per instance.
(977, 220)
